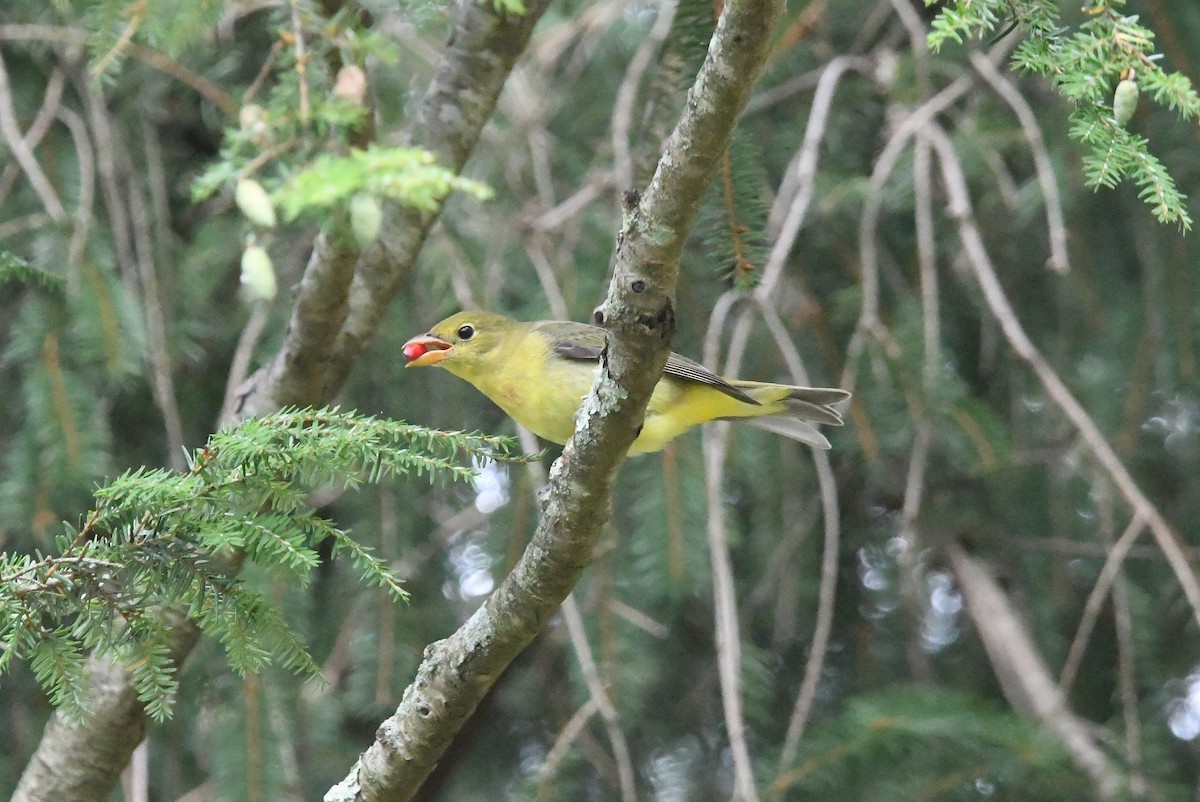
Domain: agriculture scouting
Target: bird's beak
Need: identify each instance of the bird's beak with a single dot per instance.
(425, 350)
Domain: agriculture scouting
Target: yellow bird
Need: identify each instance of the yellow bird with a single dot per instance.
(539, 373)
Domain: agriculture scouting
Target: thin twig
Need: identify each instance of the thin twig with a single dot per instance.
(885, 164)
(1127, 684)
(87, 184)
(573, 206)
(598, 693)
(912, 593)
(729, 652)
(239, 366)
(137, 14)
(264, 70)
(623, 106)
(803, 171)
(914, 487)
(830, 549)
(557, 42)
(57, 34)
(1077, 548)
(1095, 602)
(583, 653)
(1059, 260)
(37, 130)
(804, 168)
(1126, 649)
(1023, 674)
(458, 267)
(106, 168)
(915, 27)
(26, 222)
(636, 617)
(728, 640)
(562, 743)
(783, 556)
(868, 322)
(205, 88)
(162, 379)
(781, 93)
(156, 180)
(23, 153)
(535, 248)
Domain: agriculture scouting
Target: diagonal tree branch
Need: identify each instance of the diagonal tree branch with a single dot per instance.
(1023, 674)
(457, 672)
(82, 761)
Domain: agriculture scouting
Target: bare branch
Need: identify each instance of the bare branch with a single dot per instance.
(51, 103)
(885, 164)
(162, 382)
(535, 248)
(1059, 261)
(830, 549)
(106, 168)
(23, 153)
(728, 639)
(1095, 601)
(1023, 674)
(802, 171)
(725, 621)
(801, 175)
(570, 732)
(87, 184)
(595, 686)
(623, 108)
(911, 588)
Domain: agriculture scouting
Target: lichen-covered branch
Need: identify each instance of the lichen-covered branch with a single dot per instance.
(82, 761)
(1022, 672)
(639, 313)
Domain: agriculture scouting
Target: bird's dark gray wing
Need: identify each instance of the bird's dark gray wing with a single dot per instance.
(572, 340)
(583, 341)
(688, 369)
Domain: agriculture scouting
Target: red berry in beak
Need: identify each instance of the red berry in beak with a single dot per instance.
(414, 350)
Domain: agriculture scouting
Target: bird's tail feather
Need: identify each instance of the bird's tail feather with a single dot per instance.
(791, 427)
(808, 410)
(817, 404)
(800, 406)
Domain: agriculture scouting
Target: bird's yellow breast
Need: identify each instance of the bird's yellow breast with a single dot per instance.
(534, 387)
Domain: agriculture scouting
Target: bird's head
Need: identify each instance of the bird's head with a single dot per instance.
(460, 342)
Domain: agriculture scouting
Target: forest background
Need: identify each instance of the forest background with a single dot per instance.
(986, 589)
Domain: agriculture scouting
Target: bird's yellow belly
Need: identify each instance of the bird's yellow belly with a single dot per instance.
(545, 404)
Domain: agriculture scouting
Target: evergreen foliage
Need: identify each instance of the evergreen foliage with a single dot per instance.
(913, 743)
(406, 175)
(1086, 66)
(155, 538)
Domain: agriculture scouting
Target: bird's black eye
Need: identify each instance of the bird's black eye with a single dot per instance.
(466, 332)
